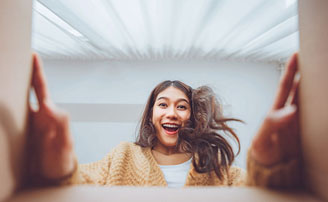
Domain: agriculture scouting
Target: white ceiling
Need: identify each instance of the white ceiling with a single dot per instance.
(252, 30)
(106, 94)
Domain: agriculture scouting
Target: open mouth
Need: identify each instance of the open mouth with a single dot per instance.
(171, 128)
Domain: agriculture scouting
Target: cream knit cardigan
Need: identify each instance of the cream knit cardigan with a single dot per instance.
(130, 164)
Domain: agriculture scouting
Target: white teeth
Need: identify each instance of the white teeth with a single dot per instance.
(170, 126)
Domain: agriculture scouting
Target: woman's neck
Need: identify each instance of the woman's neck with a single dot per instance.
(169, 156)
(165, 150)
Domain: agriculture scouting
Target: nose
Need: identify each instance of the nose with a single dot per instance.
(171, 113)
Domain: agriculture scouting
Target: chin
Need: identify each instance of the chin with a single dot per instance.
(168, 142)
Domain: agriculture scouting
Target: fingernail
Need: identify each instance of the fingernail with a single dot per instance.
(284, 111)
(289, 109)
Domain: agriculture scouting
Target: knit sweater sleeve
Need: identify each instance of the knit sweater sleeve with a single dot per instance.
(237, 176)
(285, 174)
(91, 173)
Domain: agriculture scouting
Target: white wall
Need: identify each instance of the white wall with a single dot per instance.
(114, 89)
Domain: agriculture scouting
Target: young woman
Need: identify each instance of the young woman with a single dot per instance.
(182, 141)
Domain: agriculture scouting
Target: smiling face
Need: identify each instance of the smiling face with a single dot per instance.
(171, 110)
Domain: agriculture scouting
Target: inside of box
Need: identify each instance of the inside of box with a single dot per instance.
(15, 67)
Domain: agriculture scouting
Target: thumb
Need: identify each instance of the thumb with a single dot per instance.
(281, 117)
(274, 121)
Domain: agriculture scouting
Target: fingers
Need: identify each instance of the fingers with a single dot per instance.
(39, 81)
(294, 97)
(64, 132)
(52, 128)
(275, 121)
(283, 116)
(286, 83)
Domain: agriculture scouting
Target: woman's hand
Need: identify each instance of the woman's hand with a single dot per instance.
(49, 137)
(278, 138)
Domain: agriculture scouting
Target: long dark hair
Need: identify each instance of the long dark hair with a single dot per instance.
(202, 136)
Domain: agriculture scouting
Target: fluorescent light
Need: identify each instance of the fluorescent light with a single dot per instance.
(44, 11)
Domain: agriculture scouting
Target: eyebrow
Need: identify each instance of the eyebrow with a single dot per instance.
(179, 100)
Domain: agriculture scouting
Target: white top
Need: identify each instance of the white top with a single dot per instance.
(176, 175)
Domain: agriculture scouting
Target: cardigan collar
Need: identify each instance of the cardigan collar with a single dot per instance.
(157, 177)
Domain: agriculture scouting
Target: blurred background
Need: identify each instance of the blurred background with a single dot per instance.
(103, 57)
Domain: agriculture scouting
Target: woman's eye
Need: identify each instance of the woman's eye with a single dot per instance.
(162, 105)
(182, 107)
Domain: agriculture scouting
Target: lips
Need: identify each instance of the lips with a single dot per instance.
(171, 128)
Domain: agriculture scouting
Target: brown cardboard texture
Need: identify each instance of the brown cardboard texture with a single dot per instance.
(313, 60)
(15, 63)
